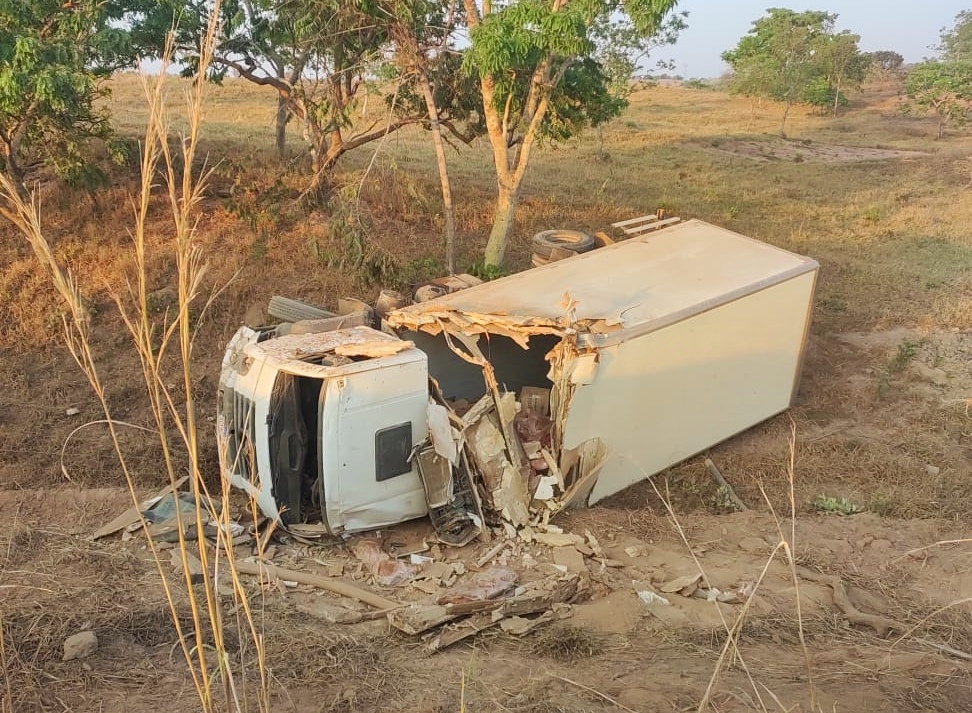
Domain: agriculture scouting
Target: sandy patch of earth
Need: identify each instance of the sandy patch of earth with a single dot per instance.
(774, 148)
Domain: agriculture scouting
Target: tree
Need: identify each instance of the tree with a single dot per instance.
(844, 63)
(942, 87)
(270, 40)
(317, 55)
(945, 86)
(780, 56)
(539, 79)
(957, 43)
(54, 59)
(420, 30)
(885, 61)
(620, 48)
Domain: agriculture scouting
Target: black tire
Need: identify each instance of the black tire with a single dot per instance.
(573, 240)
(288, 310)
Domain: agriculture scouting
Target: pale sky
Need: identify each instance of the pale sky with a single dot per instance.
(904, 26)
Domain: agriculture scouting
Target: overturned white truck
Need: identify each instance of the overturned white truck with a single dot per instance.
(515, 398)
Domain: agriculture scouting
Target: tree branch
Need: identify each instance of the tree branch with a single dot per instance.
(360, 139)
(281, 85)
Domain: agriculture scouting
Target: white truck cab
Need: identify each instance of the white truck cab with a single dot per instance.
(310, 424)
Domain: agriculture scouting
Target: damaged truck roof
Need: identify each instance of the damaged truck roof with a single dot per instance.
(642, 283)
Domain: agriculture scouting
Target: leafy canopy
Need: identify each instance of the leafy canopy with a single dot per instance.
(886, 60)
(957, 42)
(942, 87)
(945, 86)
(581, 53)
(54, 56)
(779, 57)
(797, 57)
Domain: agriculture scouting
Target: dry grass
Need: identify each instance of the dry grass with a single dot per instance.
(567, 643)
(895, 250)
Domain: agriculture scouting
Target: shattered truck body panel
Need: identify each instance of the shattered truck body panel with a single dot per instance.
(335, 413)
(653, 349)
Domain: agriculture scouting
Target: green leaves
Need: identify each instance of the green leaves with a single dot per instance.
(796, 57)
(53, 57)
(579, 53)
(942, 87)
(957, 42)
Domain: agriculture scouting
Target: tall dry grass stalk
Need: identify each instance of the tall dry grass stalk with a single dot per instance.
(219, 675)
(6, 702)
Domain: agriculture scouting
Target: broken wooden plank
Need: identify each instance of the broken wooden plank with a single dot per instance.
(632, 221)
(651, 226)
(559, 253)
(491, 553)
(537, 597)
(417, 618)
(478, 410)
(345, 589)
(486, 445)
(592, 455)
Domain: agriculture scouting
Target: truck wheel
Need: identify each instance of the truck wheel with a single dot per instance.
(573, 240)
(288, 310)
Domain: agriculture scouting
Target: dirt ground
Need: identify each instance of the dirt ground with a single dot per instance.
(775, 148)
(880, 445)
(613, 652)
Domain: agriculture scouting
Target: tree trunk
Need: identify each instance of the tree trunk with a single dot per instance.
(503, 213)
(447, 207)
(283, 114)
(324, 154)
(17, 180)
(786, 113)
(836, 97)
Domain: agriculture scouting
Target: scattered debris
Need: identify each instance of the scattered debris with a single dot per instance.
(444, 286)
(186, 561)
(133, 514)
(558, 539)
(651, 598)
(387, 572)
(484, 585)
(569, 558)
(682, 585)
(80, 645)
(466, 616)
(491, 553)
(73, 411)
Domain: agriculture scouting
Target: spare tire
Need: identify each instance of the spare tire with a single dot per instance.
(573, 240)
